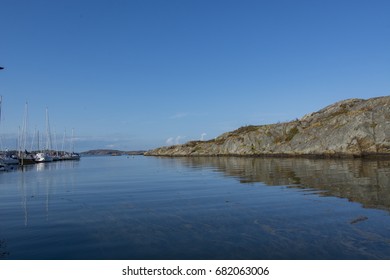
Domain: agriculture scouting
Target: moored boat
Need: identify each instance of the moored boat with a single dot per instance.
(43, 157)
(74, 156)
(9, 159)
(26, 158)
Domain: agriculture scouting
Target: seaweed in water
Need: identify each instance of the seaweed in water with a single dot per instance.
(358, 220)
(3, 252)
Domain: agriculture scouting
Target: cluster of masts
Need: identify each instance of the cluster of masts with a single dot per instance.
(22, 156)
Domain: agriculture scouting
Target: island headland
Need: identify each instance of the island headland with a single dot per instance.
(349, 128)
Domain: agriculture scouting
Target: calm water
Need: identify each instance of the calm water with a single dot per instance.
(199, 208)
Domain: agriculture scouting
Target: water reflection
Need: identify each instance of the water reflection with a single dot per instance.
(55, 165)
(358, 180)
(196, 208)
(36, 187)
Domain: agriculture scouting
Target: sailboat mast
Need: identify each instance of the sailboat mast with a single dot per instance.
(63, 141)
(55, 143)
(72, 143)
(48, 133)
(24, 128)
(38, 140)
(23, 135)
(1, 102)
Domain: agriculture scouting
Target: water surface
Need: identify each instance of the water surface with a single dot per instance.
(196, 208)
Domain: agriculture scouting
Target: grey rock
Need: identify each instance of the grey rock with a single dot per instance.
(352, 128)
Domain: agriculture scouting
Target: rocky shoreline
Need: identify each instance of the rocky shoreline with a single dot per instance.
(349, 128)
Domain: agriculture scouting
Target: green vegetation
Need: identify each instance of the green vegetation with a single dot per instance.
(245, 129)
(286, 137)
(192, 144)
(342, 111)
(290, 135)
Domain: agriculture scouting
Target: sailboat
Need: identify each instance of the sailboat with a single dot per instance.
(25, 157)
(73, 155)
(66, 155)
(6, 159)
(45, 156)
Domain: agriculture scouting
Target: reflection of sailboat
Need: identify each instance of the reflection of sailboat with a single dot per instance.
(30, 188)
(26, 187)
(23, 192)
(36, 190)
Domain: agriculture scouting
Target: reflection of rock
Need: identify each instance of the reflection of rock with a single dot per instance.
(363, 181)
(353, 127)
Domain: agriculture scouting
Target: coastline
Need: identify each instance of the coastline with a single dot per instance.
(346, 129)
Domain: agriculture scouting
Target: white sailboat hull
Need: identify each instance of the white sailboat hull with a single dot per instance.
(42, 157)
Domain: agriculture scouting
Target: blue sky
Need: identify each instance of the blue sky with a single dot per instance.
(131, 75)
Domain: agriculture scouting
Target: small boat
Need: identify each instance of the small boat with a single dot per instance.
(56, 157)
(43, 157)
(74, 156)
(9, 160)
(26, 158)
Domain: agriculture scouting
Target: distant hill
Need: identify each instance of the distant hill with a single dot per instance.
(107, 152)
(353, 127)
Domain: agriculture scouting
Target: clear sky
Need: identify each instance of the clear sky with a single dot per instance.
(139, 74)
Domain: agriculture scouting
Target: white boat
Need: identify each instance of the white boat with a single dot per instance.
(75, 156)
(43, 157)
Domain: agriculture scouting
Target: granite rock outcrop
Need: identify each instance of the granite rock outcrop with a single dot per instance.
(352, 128)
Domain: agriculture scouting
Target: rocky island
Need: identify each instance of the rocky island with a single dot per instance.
(349, 128)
